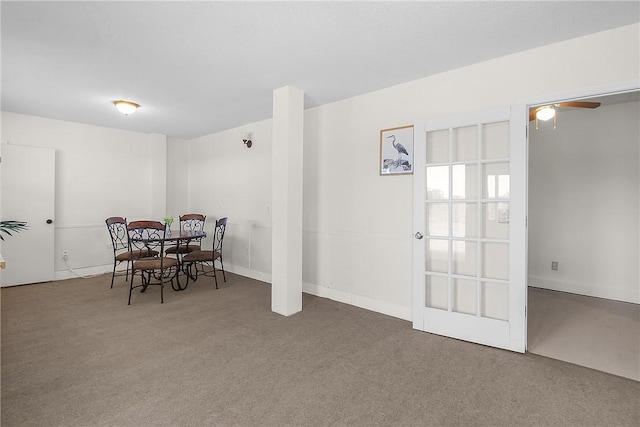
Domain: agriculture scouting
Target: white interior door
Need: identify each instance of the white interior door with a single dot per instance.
(28, 194)
(470, 224)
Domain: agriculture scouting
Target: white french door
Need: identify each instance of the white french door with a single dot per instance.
(469, 252)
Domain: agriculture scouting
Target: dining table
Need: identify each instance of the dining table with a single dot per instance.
(177, 237)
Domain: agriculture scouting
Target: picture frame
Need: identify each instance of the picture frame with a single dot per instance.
(396, 151)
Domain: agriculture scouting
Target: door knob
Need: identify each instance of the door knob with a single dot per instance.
(418, 235)
(49, 221)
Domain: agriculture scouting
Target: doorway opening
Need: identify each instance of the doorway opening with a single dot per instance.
(584, 235)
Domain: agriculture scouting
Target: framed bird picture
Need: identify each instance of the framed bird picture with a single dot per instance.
(396, 151)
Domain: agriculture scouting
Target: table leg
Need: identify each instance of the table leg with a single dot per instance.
(178, 286)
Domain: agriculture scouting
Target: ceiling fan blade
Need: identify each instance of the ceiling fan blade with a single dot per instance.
(579, 104)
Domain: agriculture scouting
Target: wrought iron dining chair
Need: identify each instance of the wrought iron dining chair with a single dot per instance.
(189, 222)
(117, 227)
(149, 236)
(203, 258)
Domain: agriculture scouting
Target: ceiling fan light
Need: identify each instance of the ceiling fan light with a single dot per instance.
(545, 113)
(126, 107)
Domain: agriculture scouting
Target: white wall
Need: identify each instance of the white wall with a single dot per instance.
(584, 195)
(357, 224)
(100, 172)
(177, 177)
(228, 179)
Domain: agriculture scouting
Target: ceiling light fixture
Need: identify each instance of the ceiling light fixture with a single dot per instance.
(126, 107)
(546, 113)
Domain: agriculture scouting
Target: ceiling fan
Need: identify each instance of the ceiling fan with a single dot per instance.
(546, 112)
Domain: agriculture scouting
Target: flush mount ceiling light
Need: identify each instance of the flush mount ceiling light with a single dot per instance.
(126, 107)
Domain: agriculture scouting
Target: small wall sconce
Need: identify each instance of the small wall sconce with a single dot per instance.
(246, 139)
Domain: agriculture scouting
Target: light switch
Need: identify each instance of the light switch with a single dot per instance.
(503, 216)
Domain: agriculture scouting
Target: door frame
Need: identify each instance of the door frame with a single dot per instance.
(575, 95)
(554, 98)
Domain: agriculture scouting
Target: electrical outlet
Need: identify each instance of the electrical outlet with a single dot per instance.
(246, 251)
(554, 265)
(65, 254)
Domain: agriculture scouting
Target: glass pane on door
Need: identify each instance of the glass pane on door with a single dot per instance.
(436, 292)
(464, 299)
(495, 181)
(437, 219)
(464, 143)
(496, 140)
(437, 255)
(465, 257)
(465, 181)
(495, 260)
(495, 300)
(467, 220)
(438, 146)
(438, 182)
(495, 220)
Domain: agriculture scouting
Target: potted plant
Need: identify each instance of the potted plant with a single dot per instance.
(6, 227)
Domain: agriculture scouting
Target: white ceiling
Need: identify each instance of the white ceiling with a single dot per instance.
(201, 67)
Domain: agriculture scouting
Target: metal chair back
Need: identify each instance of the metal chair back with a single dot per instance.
(117, 227)
(146, 235)
(192, 222)
(218, 234)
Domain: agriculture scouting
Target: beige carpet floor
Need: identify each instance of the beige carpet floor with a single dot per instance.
(592, 332)
(74, 354)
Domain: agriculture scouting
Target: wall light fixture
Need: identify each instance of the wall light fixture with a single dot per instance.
(246, 139)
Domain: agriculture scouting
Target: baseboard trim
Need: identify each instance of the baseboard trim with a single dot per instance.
(370, 304)
(615, 294)
(82, 272)
(247, 272)
(389, 309)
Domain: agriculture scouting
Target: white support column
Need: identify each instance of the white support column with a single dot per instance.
(286, 264)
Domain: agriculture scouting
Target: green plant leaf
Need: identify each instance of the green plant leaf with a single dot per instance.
(8, 226)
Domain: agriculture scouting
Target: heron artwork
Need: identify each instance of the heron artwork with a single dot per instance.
(399, 162)
(398, 146)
